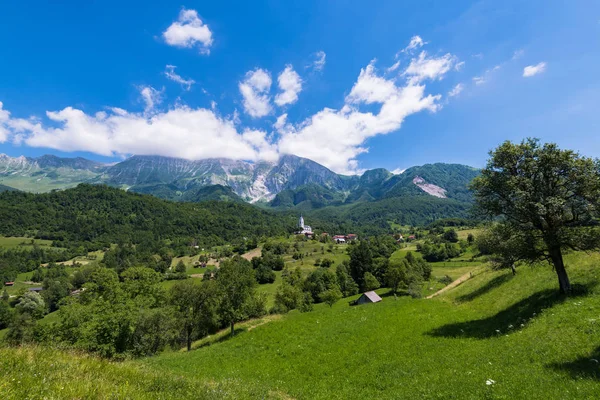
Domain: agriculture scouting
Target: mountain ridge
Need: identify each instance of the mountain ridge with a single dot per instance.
(290, 182)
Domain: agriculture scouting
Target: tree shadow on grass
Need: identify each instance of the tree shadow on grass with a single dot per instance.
(222, 338)
(587, 367)
(514, 315)
(494, 283)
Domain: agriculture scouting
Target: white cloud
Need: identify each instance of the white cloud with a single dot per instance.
(479, 80)
(180, 132)
(423, 67)
(398, 171)
(290, 83)
(151, 97)
(335, 138)
(4, 116)
(255, 91)
(456, 90)
(172, 75)
(532, 70)
(370, 88)
(280, 122)
(319, 62)
(415, 42)
(189, 31)
(393, 67)
(458, 66)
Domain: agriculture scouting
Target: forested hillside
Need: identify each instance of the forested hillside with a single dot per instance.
(97, 216)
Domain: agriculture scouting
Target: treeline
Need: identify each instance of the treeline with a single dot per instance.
(16, 261)
(129, 314)
(94, 217)
(374, 217)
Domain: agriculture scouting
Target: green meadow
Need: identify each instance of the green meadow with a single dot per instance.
(22, 242)
(496, 336)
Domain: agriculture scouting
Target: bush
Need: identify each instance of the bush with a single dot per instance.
(415, 289)
(446, 280)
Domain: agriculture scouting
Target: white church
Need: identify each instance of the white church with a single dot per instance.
(304, 229)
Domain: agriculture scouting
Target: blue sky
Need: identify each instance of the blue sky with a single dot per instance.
(108, 79)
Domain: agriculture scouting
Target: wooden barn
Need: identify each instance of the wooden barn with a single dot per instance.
(368, 297)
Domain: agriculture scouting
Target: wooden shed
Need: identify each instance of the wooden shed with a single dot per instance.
(368, 297)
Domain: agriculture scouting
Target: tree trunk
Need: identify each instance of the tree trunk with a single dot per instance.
(189, 339)
(232, 330)
(514, 270)
(559, 266)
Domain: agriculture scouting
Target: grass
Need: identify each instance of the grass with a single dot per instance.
(517, 331)
(22, 242)
(441, 348)
(36, 373)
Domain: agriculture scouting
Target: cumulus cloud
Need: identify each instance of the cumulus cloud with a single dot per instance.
(532, 70)
(375, 105)
(172, 75)
(290, 84)
(335, 138)
(319, 62)
(255, 91)
(4, 116)
(456, 90)
(398, 171)
(180, 132)
(189, 31)
(151, 97)
(424, 67)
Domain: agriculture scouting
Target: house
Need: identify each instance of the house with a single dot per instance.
(339, 239)
(351, 237)
(412, 237)
(9, 283)
(368, 297)
(36, 289)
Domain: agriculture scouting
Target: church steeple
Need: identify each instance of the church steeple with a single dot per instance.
(301, 222)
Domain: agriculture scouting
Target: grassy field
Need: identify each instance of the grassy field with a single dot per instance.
(493, 337)
(22, 242)
(517, 332)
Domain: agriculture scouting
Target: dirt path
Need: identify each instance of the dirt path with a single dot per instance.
(257, 252)
(454, 284)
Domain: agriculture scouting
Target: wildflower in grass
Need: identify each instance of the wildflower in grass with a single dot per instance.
(490, 382)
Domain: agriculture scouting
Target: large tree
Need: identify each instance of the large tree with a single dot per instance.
(548, 197)
(236, 281)
(197, 306)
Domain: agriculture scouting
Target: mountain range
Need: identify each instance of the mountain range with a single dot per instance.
(291, 182)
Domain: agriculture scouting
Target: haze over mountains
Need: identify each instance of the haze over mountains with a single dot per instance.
(291, 182)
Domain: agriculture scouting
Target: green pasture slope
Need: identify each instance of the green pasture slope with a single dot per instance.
(493, 337)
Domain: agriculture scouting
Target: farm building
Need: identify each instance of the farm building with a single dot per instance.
(339, 238)
(368, 297)
(9, 283)
(36, 289)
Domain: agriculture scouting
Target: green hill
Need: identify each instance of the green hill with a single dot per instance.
(494, 336)
(4, 188)
(99, 216)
